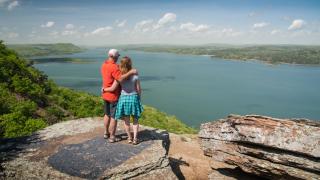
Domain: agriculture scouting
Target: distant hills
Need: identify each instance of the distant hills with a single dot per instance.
(32, 50)
(293, 54)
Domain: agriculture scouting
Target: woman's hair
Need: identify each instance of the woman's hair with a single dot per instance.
(125, 65)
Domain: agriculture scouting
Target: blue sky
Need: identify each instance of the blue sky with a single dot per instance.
(105, 22)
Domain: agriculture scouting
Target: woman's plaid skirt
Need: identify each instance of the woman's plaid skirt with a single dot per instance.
(129, 105)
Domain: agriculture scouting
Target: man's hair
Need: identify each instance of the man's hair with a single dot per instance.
(125, 65)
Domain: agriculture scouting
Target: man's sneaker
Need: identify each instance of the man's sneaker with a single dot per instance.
(106, 135)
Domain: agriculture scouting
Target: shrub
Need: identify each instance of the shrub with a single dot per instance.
(33, 125)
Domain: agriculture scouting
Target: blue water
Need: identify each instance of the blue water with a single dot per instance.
(198, 89)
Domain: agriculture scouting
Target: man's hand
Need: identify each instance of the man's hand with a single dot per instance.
(133, 71)
(128, 74)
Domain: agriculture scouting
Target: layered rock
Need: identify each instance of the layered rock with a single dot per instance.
(265, 146)
(76, 150)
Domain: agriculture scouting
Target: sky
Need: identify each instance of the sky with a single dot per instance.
(104, 22)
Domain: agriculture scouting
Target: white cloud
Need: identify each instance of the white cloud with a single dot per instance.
(68, 32)
(48, 24)
(69, 26)
(121, 23)
(260, 25)
(13, 35)
(144, 25)
(296, 24)
(102, 31)
(149, 25)
(194, 28)
(274, 32)
(12, 5)
(166, 19)
(230, 32)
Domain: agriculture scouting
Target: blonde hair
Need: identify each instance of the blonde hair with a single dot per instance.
(125, 65)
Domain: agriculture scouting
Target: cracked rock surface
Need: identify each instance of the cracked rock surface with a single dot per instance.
(76, 150)
(268, 147)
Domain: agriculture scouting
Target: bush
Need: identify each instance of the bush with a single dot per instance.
(154, 118)
(12, 124)
(26, 107)
(33, 125)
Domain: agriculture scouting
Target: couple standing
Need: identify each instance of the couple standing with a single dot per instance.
(121, 92)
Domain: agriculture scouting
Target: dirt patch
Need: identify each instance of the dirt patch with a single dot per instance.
(187, 159)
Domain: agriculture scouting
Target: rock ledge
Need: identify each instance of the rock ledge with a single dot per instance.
(264, 146)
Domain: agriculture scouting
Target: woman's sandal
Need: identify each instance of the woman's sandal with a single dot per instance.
(130, 140)
(135, 142)
(112, 139)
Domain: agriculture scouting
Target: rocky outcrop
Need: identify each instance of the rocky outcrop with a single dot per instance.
(264, 146)
(76, 150)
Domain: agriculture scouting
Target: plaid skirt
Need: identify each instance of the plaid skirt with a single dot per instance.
(129, 105)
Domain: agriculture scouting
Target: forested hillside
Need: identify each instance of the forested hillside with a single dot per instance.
(31, 50)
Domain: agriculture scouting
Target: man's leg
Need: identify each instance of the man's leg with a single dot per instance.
(106, 121)
(113, 127)
(113, 122)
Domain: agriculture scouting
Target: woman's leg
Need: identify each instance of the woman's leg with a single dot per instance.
(135, 128)
(127, 126)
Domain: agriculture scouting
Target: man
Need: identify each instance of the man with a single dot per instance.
(110, 72)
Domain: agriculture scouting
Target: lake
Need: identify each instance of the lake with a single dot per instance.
(198, 89)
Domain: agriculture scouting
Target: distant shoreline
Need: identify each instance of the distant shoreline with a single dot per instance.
(59, 60)
(228, 59)
(295, 55)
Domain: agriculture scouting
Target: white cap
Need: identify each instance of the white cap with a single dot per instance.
(113, 53)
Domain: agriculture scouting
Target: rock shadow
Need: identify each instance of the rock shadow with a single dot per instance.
(238, 174)
(175, 166)
(10, 148)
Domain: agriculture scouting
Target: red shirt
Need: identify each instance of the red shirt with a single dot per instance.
(110, 71)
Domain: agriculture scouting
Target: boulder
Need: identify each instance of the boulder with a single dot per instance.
(76, 150)
(268, 147)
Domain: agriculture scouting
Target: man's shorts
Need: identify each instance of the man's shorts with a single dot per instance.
(110, 108)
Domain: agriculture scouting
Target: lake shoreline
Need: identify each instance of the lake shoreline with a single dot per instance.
(230, 59)
(59, 60)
